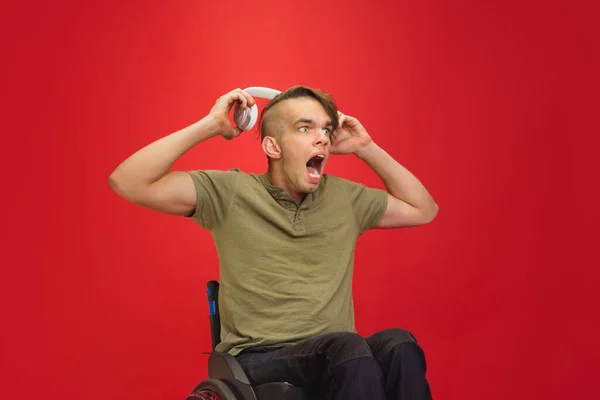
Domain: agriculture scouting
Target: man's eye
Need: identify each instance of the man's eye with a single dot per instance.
(304, 129)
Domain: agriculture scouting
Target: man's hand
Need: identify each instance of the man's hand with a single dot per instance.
(350, 136)
(220, 112)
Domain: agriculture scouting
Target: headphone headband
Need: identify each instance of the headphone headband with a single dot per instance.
(262, 92)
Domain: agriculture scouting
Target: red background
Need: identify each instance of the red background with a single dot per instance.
(491, 106)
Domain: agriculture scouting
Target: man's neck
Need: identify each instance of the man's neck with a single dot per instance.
(277, 178)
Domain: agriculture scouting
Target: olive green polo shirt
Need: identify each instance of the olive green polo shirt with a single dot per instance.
(285, 266)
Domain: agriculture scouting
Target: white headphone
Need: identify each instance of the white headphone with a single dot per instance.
(246, 119)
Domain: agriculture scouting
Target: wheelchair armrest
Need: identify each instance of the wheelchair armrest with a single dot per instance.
(225, 367)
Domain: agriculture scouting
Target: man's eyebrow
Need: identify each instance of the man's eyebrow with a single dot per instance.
(304, 121)
(310, 122)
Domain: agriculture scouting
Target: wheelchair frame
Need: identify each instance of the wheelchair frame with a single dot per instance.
(227, 379)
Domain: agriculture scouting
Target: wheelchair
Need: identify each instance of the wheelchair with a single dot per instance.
(226, 378)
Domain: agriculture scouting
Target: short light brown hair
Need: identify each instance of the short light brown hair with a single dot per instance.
(302, 91)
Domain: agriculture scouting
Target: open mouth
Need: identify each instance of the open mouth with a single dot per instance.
(314, 166)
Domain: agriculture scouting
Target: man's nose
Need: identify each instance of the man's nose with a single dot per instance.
(322, 138)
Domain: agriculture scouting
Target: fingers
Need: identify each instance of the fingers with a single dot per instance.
(341, 118)
(239, 96)
(232, 132)
(222, 108)
(249, 99)
(346, 119)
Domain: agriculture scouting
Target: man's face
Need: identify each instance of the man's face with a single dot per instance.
(304, 137)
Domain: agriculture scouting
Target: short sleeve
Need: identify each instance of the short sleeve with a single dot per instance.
(368, 204)
(214, 192)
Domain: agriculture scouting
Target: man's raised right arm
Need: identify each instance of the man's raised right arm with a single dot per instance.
(145, 177)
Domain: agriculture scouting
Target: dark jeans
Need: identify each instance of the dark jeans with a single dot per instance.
(387, 365)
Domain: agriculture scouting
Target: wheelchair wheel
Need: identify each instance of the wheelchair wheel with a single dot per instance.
(211, 389)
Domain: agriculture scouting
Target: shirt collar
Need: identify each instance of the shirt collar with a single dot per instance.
(281, 197)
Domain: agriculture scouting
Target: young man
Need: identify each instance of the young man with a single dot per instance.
(285, 241)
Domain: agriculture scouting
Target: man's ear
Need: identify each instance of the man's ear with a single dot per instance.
(271, 147)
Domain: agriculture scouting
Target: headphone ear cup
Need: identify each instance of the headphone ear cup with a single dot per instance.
(245, 119)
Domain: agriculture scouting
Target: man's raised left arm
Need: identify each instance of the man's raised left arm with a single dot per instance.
(409, 202)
